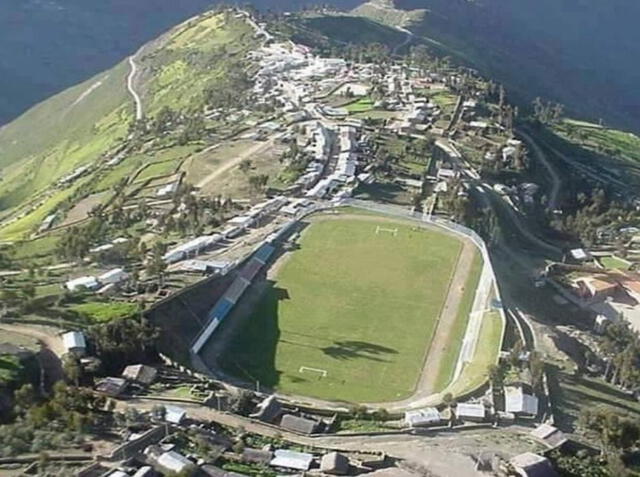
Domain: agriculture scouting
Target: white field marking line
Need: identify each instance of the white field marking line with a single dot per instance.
(323, 372)
(393, 232)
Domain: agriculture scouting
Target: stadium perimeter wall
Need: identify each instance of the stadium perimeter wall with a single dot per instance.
(486, 289)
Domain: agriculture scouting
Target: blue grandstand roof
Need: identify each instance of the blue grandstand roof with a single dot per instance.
(264, 253)
(221, 310)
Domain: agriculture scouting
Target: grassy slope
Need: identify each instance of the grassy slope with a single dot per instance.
(359, 305)
(196, 55)
(78, 126)
(474, 374)
(445, 373)
(62, 133)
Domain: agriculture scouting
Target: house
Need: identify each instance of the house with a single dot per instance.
(173, 462)
(146, 471)
(520, 403)
(592, 288)
(140, 373)
(167, 190)
(429, 416)
(82, 283)
(74, 342)
(298, 424)
(268, 410)
(115, 276)
(113, 387)
(446, 174)
(471, 412)
(551, 436)
(288, 459)
(532, 465)
(580, 255)
(334, 463)
(174, 415)
(257, 456)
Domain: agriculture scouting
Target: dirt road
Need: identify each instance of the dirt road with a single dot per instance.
(252, 151)
(130, 86)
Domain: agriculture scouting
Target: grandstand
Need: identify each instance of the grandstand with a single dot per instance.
(233, 294)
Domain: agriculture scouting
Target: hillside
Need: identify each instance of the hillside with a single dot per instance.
(92, 126)
(577, 53)
(69, 41)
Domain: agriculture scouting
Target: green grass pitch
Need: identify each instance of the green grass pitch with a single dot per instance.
(359, 305)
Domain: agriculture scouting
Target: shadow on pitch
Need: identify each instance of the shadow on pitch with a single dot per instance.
(346, 350)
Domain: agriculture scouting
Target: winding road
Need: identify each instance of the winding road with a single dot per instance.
(130, 86)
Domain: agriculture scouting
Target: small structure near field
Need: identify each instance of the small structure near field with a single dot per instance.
(74, 342)
(287, 459)
(520, 403)
(334, 463)
(298, 424)
(140, 374)
(551, 436)
(429, 416)
(471, 412)
(532, 465)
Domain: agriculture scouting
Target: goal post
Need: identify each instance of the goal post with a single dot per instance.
(380, 230)
(317, 371)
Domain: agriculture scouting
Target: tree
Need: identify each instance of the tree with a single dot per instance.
(25, 397)
(245, 165)
(72, 368)
(258, 182)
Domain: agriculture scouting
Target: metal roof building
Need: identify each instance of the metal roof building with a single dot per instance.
(291, 460)
(471, 412)
(74, 342)
(519, 402)
(89, 283)
(423, 417)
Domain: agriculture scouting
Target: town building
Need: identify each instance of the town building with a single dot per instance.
(334, 463)
(429, 416)
(74, 342)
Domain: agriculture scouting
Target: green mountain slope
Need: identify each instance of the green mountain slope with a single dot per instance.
(195, 65)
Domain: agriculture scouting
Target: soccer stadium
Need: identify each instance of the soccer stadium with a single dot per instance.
(349, 307)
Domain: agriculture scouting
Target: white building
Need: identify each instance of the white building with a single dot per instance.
(471, 412)
(192, 248)
(174, 462)
(520, 403)
(115, 276)
(291, 460)
(74, 342)
(82, 283)
(174, 415)
(429, 416)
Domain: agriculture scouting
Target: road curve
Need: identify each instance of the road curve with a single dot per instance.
(130, 86)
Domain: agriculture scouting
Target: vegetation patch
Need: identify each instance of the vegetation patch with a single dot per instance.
(102, 312)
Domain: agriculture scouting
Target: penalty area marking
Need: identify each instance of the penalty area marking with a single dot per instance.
(321, 372)
(393, 232)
